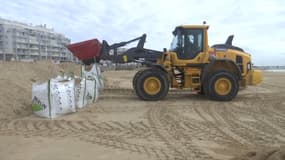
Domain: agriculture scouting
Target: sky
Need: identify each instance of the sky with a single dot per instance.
(258, 25)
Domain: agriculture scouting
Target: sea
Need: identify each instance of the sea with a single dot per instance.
(275, 70)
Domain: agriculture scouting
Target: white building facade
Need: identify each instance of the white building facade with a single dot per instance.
(20, 41)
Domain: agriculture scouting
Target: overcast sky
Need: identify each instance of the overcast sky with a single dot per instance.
(258, 26)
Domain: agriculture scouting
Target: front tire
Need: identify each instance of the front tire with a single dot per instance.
(222, 86)
(151, 84)
(136, 78)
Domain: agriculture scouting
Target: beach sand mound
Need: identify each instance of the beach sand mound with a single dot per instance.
(16, 79)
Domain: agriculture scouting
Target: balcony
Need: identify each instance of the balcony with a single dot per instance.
(34, 48)
(21, 41)
(33, 42)
(55, 55)
(34, 53)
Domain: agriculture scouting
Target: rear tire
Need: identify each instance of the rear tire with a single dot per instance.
(222, 86)
(151, 84)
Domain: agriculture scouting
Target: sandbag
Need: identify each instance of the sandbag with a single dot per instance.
(92, 90)
(80, 90)
(86, 91)
(53, 98)
(94, 72)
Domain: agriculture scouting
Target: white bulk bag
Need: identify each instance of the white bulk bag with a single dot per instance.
(53, 98)
(94, 72)
(80, 89)
(92, 90)
(41, 105)
(86, 91)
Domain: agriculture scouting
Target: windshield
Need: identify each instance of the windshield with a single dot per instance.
(174, 43)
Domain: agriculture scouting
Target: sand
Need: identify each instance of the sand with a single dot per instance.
(120, 126)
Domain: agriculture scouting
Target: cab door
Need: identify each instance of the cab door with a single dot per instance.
(190, 49)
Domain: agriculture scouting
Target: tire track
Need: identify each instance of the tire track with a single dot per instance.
(264, 126)
(279, 110)
(255, 131)
(223, 124)
(273, 85)
(107, 134)
(153, 116)
(118, 143)
(201, 133)
(33, 126)
(173, 134)
(129, 91)
(245, 129)
(225, 132)
(118, 109)
(271, 119)
(226, 115)
(200, 129)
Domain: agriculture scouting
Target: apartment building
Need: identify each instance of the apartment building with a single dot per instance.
(20, 41)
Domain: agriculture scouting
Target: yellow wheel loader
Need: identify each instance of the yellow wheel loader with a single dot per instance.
(217, 72)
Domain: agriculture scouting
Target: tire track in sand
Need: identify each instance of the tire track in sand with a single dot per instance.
(254, 130)
(268, 120)
(218, 123)
(108, 134)
(173, 134)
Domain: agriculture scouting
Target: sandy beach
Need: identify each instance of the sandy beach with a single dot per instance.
(120, 126)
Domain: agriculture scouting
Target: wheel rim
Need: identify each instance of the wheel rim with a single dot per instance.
(223, 86)
(152, 85)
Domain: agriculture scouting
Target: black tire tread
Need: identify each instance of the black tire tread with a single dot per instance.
(138, 84)
(210, 91)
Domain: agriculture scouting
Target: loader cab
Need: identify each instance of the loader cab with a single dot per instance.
(188, 42)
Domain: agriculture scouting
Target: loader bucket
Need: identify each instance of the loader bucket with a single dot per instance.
(86, 51)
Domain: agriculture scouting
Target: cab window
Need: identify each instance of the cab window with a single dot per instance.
(192, 43)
